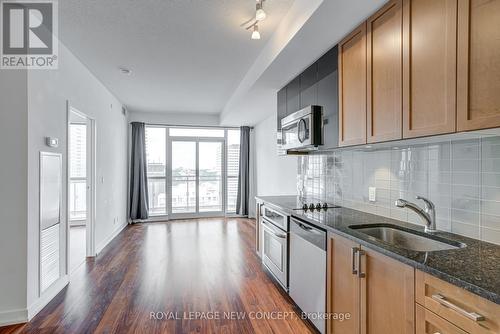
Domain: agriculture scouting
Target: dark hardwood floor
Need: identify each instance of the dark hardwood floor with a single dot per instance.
(202, 265)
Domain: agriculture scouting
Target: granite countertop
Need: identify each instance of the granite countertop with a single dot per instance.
(475, 268)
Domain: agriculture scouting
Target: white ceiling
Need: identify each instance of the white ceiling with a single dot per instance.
(186, 55)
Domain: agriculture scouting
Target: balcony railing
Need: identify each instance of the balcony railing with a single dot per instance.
(77, 199)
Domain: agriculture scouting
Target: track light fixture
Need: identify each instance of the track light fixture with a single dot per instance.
(255, 32)
(260, 14)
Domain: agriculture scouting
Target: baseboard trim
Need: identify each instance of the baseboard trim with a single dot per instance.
(13, 317)
(47, 296)
(113, 235)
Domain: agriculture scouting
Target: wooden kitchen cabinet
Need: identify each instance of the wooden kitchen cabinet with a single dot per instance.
(430, 67)
(387, 295)
(376, 290)
(430, 323)
(352, 88)
(343, 287)
(385, 73)
(463, 309)
(478, 81)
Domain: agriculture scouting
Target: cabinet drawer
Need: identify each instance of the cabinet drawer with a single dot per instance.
(429, 323)
(457, 305)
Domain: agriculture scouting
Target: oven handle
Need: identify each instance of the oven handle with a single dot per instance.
(270, 229)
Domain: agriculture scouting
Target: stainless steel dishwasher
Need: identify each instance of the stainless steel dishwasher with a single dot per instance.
(308, 271)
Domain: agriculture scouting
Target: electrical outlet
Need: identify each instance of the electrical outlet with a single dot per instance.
(372, 194)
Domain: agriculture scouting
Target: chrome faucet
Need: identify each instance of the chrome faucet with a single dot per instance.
(428, 213)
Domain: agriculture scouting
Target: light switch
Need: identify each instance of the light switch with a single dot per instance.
(372, 194)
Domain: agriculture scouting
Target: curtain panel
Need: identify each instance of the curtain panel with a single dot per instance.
(138, 201)
(242, 198)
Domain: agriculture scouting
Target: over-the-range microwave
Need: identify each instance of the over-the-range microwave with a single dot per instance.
(302, 130)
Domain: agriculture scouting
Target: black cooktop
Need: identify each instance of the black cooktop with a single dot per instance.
(323, 216)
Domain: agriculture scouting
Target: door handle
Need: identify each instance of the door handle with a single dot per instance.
(470, 315)
(361, 253)
(354, 251)
(304, 227)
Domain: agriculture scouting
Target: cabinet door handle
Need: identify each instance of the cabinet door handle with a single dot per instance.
(470, 315)
(354, 251)
(361, 253)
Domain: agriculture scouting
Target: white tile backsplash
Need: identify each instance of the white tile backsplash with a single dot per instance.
(462, 178)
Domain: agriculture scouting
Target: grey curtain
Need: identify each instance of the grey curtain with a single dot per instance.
(244, 173)
(139, 207)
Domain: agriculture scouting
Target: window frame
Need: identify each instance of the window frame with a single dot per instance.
(168, 170)
(165, 176)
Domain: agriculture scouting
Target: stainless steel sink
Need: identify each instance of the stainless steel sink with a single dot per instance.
(406, 238)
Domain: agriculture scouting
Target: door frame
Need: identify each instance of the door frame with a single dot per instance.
(91, 183)
(197, 141)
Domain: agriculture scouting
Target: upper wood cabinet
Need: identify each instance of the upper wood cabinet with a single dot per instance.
(430, 67)
(478, 83)
(376, 290)
(385, 73)
(420, 68)
(352, 88)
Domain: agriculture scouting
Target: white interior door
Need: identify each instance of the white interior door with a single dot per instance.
(81, 188)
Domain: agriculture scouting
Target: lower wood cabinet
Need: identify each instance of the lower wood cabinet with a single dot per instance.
(455, 305)
(343, 285)
(375, 290)
(387, 295)
(430, 323)
(375, 294)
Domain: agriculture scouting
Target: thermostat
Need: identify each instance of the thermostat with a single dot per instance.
(52, 142)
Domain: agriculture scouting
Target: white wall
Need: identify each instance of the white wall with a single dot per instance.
(48, 92)
(13, 193)
(174, 118)
(275, 175)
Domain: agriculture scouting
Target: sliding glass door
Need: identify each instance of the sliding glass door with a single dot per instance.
(183, 177)
(210, 157)
(196, 176)
(192, 172)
